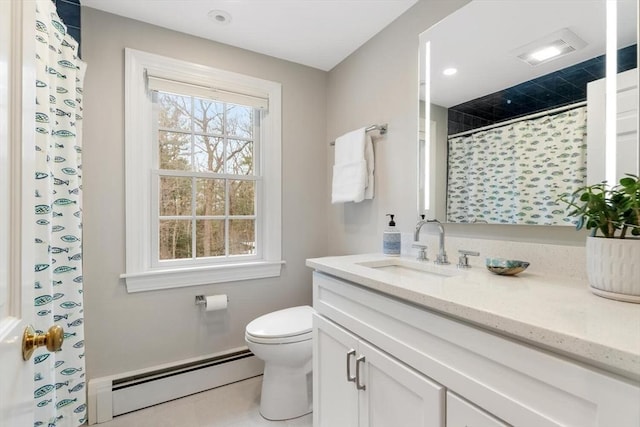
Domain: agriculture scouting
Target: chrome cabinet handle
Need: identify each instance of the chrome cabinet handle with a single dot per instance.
(350, 353)
(359, 386)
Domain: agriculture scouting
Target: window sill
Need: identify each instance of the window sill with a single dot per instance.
(153, 280)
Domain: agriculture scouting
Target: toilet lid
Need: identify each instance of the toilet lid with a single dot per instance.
(282, 323)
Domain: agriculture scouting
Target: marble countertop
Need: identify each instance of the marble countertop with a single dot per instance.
(555, 313)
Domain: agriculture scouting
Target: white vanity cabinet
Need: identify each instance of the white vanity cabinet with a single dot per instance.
(464, 414)
(415, 359)
(356, 384)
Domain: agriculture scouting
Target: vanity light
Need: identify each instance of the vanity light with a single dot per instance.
(219, 17)
(449, 71)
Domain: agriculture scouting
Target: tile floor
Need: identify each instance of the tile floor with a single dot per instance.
(234, 405)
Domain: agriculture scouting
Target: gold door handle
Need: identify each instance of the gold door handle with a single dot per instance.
(52, 339)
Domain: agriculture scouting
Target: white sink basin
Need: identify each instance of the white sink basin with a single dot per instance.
(411, 269)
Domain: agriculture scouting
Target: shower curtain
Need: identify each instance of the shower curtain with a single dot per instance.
(59, 382)
(514, 174)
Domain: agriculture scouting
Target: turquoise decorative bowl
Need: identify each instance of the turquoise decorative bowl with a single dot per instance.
(506, 267)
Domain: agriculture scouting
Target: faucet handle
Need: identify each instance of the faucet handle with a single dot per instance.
(422, 254)
(463, 260)
(442, 259)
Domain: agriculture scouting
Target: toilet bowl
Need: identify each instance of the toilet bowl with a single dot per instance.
(282, 339)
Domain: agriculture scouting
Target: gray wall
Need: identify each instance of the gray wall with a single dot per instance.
(379, 83)
(439, 116)
(134, 331)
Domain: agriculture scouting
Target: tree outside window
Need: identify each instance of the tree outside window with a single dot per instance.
(207, 177)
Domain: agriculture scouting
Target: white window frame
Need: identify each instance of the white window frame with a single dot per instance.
(143, 273)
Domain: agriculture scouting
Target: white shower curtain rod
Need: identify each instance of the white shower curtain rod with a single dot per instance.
(519, 119)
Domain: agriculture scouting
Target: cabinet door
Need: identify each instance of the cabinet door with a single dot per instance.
(335, 398)
(396, 395)
(461, 413)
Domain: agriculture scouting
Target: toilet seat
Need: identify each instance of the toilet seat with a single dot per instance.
(279, 340)
(281, 327)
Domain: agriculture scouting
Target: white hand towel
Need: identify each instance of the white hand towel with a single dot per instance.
(369, 158)
(350, 168)
(349, 182)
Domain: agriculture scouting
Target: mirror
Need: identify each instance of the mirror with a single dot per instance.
(502, 138)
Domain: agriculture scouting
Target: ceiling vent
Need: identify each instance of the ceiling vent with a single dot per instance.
(550, 47)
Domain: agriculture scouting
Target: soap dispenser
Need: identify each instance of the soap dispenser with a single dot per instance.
(391, 239)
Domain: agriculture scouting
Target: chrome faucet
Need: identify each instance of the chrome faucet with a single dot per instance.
(442, 255)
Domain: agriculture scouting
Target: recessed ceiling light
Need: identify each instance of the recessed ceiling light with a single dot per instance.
(220, 17)
(449, 71)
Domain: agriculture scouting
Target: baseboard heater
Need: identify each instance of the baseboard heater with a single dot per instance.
(117, 395)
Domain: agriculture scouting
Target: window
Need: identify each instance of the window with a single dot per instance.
(202, 151)
(205, 178)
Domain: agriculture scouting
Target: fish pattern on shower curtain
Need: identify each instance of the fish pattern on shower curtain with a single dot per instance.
(514, 174)
(59, 381)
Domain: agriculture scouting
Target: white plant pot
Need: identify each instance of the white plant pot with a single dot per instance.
(613, 268)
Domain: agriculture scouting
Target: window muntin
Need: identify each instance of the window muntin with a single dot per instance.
(206, 179)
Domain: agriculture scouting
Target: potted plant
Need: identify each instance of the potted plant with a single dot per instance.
(613, 259)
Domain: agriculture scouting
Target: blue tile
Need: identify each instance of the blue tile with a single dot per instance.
(69, 12)
(75, 33)
(627, 58)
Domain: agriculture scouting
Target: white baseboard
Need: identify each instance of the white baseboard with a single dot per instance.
(130, 391)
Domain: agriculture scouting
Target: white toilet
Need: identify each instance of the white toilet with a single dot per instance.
(283, 340)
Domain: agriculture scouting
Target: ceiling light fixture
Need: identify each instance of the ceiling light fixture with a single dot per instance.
(219, 17)
(449, 71)
(550, 47)
(545, 53)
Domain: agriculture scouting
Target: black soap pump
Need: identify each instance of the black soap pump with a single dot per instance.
(391, 239)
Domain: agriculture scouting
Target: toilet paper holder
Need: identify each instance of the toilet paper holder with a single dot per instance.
(202, 300)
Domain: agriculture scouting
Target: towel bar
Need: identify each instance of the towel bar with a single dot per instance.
(382, 128)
